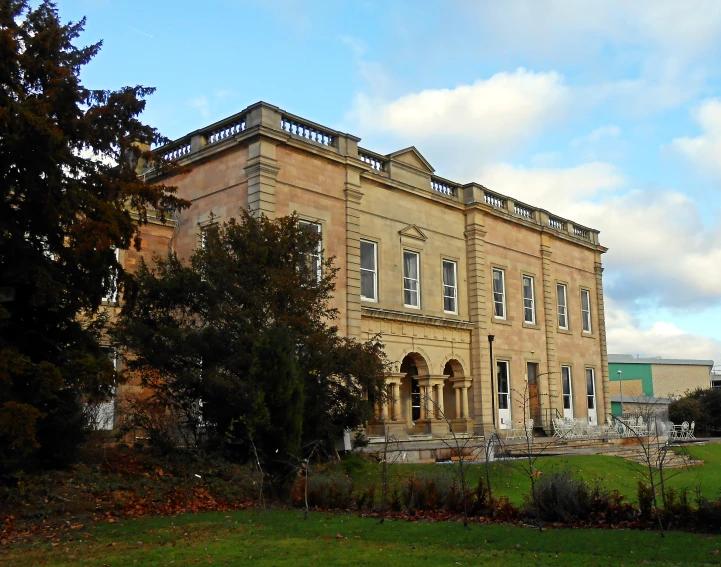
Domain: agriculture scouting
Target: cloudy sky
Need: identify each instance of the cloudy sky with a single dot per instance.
(606, 112)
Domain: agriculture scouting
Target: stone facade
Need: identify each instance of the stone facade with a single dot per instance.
(394, 205)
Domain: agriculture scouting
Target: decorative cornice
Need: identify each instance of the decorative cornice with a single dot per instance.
(403, 317)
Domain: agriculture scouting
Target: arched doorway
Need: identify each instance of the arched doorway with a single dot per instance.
(412, 366)
(457, 394)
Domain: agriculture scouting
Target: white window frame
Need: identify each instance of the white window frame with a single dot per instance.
(417, 281)
(591, 398)
(562, 307)
(532, 299)
(586, 313)
(374, 271)
(453, 287)
(317, 255)
(504, 398)
(564, 395)
(496, 303)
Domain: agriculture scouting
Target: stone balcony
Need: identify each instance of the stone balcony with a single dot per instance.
(405, 169)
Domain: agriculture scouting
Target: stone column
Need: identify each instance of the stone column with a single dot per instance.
(262, 168)
(602, 339)
(464, 393)
(477, 290)
(353, 198)
(459, 414)
(424, 401)
(440, 411)
(550, 384)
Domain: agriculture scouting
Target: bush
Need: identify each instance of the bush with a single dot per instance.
(701, 406)
(560, 497)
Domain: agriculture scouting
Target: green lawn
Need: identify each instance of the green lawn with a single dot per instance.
(265, 538)
(612, 473)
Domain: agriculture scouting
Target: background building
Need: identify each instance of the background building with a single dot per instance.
(654, 378)
(432, 265)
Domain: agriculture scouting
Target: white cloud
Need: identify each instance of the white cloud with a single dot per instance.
(663, 338)
(572, 30)
(610, 131)
(658, 247)
(202, 104)
(704, 151)
(491, 114)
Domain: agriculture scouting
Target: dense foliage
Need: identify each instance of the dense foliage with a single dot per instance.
(67, 176)
(702, 406)
(238, 343)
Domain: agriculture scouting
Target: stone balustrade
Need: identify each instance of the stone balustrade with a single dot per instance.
(307, 130)
(270, 118)
(376, 162)
(443, 187)
(494, 200)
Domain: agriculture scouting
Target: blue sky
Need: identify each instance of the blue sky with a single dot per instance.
(608, 113)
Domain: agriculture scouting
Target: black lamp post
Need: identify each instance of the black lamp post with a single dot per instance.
(493, 389)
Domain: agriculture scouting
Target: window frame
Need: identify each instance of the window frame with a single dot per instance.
(444, 261)
(374, 271)
(586, 314)
(560, 285)
(417, 280)
(504, 401)
(592, 396)
(532, 299)
(503, 293)
(568, 396)
(318, 254)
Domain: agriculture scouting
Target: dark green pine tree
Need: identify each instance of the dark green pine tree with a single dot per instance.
(67, 175)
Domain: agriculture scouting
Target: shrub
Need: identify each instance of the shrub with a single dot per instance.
(560, 498)
(701, 406)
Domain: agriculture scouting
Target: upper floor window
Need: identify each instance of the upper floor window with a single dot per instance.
(411, 279)
(316, 257)
(499, 293)
(562, 306)
(586, 310)
(529, 301)
(369, 270)
(450, 287)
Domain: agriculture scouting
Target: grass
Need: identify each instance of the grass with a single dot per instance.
(612, 473)
(282, 537)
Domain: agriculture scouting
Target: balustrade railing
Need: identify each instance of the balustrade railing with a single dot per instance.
(307, 131)
(494, 201)
(176, 152)
(443, 188)
(374, 161)
(522, 211)
(582, 232)
(558, 224)
(226, 131)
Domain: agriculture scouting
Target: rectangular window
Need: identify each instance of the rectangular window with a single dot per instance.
(562, 306)
(499, 293)
(504, 391)
(591, 388)
(586, 310)
(368, 271)
(529, 301)
(411, 279)
(316, 257)
(450, 287)
(566, 383)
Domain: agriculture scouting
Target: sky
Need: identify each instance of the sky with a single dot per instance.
(604, 112)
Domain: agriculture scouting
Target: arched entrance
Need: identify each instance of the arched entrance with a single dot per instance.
(456, 394)
(411, 397)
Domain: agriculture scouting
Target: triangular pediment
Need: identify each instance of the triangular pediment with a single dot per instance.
(412, 231)
(411, 156)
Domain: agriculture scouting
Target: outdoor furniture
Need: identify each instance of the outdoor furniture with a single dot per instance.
(524, 431)
(690, 431)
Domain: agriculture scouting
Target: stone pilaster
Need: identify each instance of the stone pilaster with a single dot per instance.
(262, 172)
(353, 198)
(602, 339)
(549, 311)
(480, 363)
